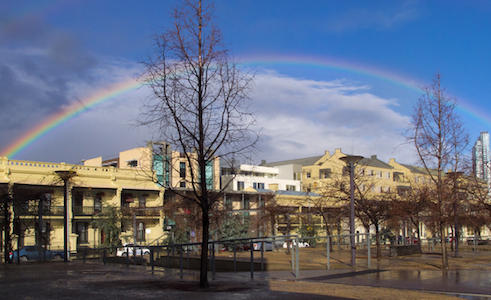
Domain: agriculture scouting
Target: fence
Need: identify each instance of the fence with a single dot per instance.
(251, 254)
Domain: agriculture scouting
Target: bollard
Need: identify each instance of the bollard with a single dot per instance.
(104, 257)
(235, 259)
(262, 255)
(252, 260)
(328, 246)
(180, 260)
(152, 260)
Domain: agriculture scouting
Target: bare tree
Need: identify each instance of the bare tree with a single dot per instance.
(440, 141)
(198, 102)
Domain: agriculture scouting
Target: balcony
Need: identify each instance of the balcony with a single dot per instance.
(86, 210)
(32, 211)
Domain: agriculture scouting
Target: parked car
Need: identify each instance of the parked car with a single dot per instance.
(480, 241)
(268, 246)
(32, 253)
(238, 247)
(409, 240)
(128, 248)
(300, 244)
(449, 239)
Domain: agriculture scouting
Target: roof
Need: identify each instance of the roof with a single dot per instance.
(308, 161)
(374, 162)
(297, 193)
(414, 169)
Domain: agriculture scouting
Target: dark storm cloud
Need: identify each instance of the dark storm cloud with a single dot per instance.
(38, 70)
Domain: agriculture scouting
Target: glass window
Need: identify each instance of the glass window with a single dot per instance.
(141, 232)
(182, 169)
(240, 185)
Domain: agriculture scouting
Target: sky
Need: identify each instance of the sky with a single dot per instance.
(329, 74)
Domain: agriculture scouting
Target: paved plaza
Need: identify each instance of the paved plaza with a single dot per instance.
(409, 277)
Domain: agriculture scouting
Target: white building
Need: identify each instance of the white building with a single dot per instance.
(261, 178)
(480, 157)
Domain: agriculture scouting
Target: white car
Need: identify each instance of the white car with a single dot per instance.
(268, 246)
(128, 248)
(300, 244)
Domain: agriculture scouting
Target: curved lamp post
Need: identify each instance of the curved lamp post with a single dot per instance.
(351, 162)
(65, 176)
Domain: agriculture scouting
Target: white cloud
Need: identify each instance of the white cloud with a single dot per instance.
(302, 118)
(299, 117)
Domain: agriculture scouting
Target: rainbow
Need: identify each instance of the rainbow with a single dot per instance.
(104, 95)
(66, 114)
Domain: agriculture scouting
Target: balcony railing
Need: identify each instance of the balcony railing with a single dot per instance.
(51, 211)
(85, 210)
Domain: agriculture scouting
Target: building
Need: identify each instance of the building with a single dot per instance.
(135, 182)
(481, 157)
(158, 161)
(260, 177)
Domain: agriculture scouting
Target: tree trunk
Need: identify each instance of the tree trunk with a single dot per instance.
(444, 247)
(203, 276)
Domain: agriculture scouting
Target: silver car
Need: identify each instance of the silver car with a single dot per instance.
(128, 249)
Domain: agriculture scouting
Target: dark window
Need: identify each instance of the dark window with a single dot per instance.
(142, 201)
(98, 202)
(240, 185)
(141, 232)
(182, 184)
(82, 228)
(182, 170)
(258, 185)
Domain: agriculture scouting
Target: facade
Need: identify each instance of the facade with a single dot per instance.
(481, 157)
(38, 203)
(135, 183)
(143, 183)
(169, 168)
(260, 177)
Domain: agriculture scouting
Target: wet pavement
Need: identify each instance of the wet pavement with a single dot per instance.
(411, 277)
(470, 284)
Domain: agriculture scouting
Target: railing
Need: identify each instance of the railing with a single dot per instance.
(85, 210)
(52, 211)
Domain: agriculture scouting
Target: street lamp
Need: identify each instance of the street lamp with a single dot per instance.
(351, 162)
(65, 176)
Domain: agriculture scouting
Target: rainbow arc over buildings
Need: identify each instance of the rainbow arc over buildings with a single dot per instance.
(37, 132)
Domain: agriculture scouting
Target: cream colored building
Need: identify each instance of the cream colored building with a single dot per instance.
(134, 181)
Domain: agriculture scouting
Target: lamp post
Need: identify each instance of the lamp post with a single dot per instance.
(65, 176)
(351, 162)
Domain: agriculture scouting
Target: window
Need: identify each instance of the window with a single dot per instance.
(98, 202)
(133, 163)
(127, 199)
(291, 187)
(247, 203)
(81, 230)
(258, 185)
(240, 185)
(308, 175)
(388, 175)
(142, 201)
(140, 235)
(325, 173)
(182, 184)
(182, 169)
